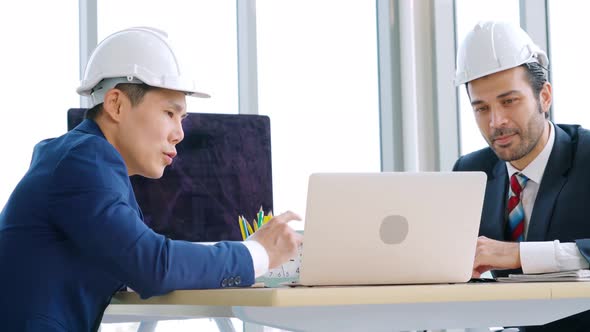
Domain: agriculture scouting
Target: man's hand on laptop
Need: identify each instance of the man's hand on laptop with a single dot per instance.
(279, 239)
(495, 255)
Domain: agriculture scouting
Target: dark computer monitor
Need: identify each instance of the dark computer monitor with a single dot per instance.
(222, 170)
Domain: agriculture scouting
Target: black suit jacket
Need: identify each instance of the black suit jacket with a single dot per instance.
(562, 207)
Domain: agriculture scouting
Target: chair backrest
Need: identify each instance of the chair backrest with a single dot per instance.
(222, 170)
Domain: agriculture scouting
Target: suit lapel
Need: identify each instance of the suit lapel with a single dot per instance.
(554, 178)
(493, 211)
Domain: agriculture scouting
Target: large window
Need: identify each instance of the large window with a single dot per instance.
(568, 63)
(468, 13)
(317, 64)
(40, 73)
(203, 33)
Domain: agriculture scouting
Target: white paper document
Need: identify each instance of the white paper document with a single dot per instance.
(577, 275)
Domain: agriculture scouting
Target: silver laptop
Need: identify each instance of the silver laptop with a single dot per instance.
(391, 228)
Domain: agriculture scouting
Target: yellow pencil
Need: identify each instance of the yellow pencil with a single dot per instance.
(250, 227)
(267, 218)
(245, 225)
(242, 228)
(255, 226)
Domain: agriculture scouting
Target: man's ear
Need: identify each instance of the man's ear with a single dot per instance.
(546, 97)
(114, 101)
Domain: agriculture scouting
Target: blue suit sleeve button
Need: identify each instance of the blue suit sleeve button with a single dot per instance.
(230, 282)
(237, 281)
(224, 282)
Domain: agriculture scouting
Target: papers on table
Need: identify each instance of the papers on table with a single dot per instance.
(578, 275)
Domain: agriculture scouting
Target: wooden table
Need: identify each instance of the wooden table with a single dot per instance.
(370, 308)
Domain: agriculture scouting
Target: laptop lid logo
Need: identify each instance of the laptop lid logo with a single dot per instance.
(394, 229)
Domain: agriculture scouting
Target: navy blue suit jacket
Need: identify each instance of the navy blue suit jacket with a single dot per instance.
(562, 207)
(71, 234)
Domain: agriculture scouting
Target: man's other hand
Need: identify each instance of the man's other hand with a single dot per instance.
(279, 239)
(495, 255)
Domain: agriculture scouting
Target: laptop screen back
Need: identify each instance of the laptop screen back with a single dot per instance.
(391, 228)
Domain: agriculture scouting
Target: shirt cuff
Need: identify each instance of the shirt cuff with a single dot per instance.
(538, 257)
(550, 256)
(259, 257)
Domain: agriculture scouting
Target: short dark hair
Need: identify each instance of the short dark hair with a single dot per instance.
(537, 76)
(135, 93)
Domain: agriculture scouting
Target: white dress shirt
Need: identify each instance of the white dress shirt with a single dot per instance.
(546, 256)
(259, 255)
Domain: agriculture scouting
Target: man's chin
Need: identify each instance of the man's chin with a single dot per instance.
(506, 154)
(154, 174)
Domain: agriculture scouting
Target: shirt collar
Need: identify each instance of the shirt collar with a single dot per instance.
(534, 171)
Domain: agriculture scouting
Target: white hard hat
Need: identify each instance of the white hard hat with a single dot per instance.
(135, 55)
(495, 46)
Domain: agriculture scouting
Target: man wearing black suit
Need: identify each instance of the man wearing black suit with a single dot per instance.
(537, 200)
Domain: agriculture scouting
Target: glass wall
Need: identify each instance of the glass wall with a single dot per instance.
(317, 64)
(39, 63)
(569, 69)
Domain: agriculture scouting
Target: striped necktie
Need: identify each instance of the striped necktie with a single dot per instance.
(515, 208)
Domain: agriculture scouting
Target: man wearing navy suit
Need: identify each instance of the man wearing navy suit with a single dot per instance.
(71, 233)
(537, 201)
